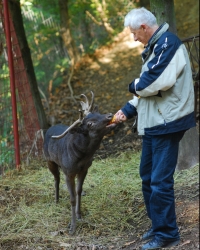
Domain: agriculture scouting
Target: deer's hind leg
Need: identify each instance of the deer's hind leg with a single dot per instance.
(54, 169)
(70, 181)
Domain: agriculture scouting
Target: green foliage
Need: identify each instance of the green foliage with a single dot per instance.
(42, 26)
(7, 155)
(42, 38)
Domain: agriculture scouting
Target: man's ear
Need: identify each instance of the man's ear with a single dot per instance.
(143, 26)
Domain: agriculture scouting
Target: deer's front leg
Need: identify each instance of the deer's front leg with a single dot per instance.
(80, 180)
(70, 181)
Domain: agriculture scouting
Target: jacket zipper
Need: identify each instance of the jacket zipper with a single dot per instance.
(162, 116)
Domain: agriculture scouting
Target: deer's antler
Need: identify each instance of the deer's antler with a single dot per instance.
(85, 105)
(86, 109)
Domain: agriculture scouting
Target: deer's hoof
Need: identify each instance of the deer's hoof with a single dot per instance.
(72, 229)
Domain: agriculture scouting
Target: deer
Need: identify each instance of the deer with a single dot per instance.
(72, 149)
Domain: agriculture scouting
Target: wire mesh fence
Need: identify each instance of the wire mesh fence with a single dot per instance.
(6, 126)
(30, 139)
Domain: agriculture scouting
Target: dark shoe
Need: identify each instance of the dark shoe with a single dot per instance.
(157, 244)
(148, 235)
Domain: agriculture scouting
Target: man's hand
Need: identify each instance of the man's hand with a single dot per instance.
(120, 117)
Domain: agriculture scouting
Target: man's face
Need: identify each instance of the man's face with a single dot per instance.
(141, 35)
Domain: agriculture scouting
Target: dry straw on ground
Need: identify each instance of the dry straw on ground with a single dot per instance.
(111, 207)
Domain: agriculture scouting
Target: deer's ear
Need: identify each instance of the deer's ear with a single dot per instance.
(95, 109)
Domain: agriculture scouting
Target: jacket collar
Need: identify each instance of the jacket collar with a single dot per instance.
(157, 34)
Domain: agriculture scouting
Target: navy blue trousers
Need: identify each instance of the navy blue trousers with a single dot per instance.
(157, 167)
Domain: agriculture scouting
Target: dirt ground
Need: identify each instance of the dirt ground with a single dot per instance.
(107, 73)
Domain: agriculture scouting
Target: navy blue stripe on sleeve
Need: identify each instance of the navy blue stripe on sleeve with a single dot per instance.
(164, 52)
(129, 110)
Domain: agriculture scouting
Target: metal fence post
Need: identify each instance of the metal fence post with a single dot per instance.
(12, 83)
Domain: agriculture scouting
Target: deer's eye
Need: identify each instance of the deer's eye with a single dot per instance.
(89, 124)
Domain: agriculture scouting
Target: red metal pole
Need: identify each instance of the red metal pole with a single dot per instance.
(12, 84)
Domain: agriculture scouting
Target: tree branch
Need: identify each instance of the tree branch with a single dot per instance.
(93, 18)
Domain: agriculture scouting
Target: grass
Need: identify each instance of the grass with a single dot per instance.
(113, 204)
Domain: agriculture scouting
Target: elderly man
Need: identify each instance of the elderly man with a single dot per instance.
(163, 101)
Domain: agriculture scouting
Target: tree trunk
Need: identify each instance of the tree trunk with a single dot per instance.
(66, 33)
(164, 12)
(189, 145)
(15, 11)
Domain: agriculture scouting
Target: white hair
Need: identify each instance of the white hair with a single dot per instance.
(139, 16)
